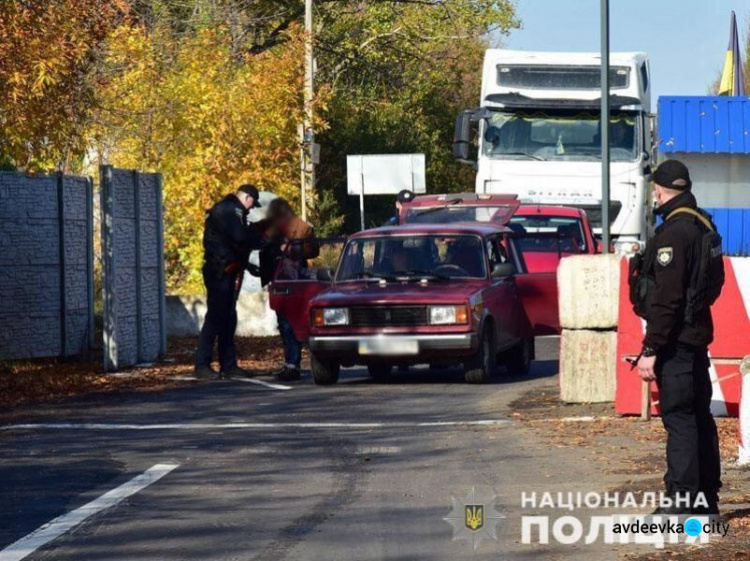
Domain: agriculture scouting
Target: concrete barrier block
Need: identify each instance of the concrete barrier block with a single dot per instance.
(588, 289)
(588, 361)
(185, 315)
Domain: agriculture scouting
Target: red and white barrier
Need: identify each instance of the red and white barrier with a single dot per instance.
(731, 314)
(743, 457)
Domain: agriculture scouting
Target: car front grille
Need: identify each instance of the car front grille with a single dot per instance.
(388, 316)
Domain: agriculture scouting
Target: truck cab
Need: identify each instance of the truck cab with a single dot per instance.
(539, 134)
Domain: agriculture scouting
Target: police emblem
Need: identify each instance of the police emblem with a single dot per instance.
(664, 256)
(475, 518)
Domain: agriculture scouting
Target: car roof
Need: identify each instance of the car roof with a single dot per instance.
(470, 228)
(463, 198)
(548, 210)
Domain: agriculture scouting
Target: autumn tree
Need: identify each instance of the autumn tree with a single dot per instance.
(47, 51)
(185, 105)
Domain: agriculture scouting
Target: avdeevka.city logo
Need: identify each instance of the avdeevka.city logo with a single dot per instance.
(475, 518)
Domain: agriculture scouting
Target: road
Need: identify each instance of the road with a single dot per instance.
(362, 470)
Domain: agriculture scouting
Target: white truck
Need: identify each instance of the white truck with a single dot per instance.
(539, 134)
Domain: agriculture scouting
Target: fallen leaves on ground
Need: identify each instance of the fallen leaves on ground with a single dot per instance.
(49, 379)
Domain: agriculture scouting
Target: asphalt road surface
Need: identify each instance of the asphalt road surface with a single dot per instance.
(236, 470)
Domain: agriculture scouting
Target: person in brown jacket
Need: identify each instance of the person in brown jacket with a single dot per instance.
(292, 240)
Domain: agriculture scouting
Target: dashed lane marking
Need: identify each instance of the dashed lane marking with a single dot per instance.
(62, 524)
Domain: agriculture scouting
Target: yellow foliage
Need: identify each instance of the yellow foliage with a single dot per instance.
(185, 107)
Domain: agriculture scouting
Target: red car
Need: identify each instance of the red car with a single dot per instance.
(545, 233)
(567, 229)
(432, 293)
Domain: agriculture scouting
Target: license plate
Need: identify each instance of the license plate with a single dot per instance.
(388, 347)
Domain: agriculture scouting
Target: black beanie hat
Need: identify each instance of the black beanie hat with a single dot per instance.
(673, 174)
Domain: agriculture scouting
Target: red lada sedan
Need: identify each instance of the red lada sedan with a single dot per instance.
(423, 293)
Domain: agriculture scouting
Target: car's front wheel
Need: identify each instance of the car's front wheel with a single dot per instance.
(481, 366)
(325, 372)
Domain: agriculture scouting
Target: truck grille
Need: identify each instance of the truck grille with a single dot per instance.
(388, 315)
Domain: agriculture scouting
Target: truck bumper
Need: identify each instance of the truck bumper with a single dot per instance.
(428, 346)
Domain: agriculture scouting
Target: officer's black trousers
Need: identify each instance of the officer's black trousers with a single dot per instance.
(220, 322)
(693, 462)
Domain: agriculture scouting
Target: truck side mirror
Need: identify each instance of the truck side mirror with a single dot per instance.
(462, 136)
(503, 271)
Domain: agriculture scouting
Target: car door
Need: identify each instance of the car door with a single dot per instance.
(291, 296)
(502, 298)
(538, 295)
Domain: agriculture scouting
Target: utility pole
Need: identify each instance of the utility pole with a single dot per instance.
(308, 156)
(604, 120)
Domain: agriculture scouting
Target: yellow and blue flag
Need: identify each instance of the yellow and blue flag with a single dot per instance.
(732, 81)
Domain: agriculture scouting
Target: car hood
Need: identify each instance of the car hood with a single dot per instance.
(358, 293)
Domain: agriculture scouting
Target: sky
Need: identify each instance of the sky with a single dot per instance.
(685, 39)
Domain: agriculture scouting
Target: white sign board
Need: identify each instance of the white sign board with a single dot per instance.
(385, 174)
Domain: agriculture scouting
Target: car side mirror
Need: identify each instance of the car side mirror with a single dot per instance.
(324, 274)
(503, 271)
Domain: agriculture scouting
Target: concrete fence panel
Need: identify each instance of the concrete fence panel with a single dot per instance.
(132, 267)
(46, 265)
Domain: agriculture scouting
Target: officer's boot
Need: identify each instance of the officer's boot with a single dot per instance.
(238, 372)
(205, 373)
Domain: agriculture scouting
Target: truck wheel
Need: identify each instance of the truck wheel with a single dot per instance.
(519, 359)
(481, 366)
(324, 372)
(379, 371)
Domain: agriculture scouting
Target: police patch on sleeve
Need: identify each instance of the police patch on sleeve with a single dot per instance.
(238, 212)
(664, 256)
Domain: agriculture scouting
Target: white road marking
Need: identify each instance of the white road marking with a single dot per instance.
(210, 426)
(262, 383)
(62, 524)
(376, 450)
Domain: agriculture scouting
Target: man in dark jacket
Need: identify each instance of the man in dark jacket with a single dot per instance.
(227, 243)
(675, 348)
(404, 196)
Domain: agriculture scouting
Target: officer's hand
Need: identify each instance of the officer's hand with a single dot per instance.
(646, 368)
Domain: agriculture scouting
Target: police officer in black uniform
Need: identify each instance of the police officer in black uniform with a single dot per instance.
(404, 196)
(227, 243)
(681, 274)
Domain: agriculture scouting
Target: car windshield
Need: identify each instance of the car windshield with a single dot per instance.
(451, 213)
(440, 257)
(570, 235)
(557, 135)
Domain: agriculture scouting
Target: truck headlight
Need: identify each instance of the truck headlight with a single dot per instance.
(447, 315)
(330, 316)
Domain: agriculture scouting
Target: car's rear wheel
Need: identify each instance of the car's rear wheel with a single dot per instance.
(325, 372)
(380, 371)
(518, 360)
(479, 369)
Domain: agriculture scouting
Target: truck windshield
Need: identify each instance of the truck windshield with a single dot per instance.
(415, 256)
(557, 135)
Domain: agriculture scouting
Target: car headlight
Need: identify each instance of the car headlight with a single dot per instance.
(330, 316)
(447, 315)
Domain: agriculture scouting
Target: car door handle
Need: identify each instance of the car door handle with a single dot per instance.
(282, 291)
